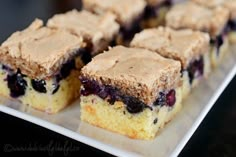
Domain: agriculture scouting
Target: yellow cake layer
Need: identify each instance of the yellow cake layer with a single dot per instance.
(216, 59)
(232, 37)
(186, 86)
(68, 91)
(116, 118)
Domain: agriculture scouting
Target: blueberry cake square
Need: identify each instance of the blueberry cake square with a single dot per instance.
(197, 17)
(130, 91)
(155, 13)
(97, 31)
(40, 67)
(129, 14)
(231, 6)
(189, 47)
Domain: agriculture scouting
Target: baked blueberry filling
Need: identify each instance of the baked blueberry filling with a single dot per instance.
(232, 25)
(65, 70)
(167, 99)
(152, 11)
(85, 54)
(16, 84)
(56, 86)
(155, 121)
(6, 68)
(128, 32)
(195, 69)
(218, 42)
(39, 85)
(133, 104)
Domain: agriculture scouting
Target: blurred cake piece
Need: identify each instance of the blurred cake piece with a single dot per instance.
(155, 13)
(197, 17)
(128, 13)
(98, 31)
(231, 6)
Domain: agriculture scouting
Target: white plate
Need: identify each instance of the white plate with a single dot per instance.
(169, 142)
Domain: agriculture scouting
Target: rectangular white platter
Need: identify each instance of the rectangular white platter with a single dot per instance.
(169, 142)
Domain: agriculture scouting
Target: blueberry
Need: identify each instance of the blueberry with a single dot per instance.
(92, 87)
(83, 80)
(195, 69)
(113, 43)
(58, 78)
(112, 94)
(96, 87)
(232, 25)
(66, 69)
(128, 32)
(102, 93)
(16, 84)
(170, 98)
(150, 12)
(87, 87)
(212, 41)
(39, 85)
(155, 121)
(165, 99)
(6, 68)
(219, 43)
(168, 3)
(85, 54)
(111, 100)
(85, 92)
(133, 105)
(161, 100)
(57, 86)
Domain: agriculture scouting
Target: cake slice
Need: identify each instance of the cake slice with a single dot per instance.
(189, 47)
(197, 17)
(155, 12)
(97, 31)
(130, 91)
(128, 13)
(231, 6)
(40, 67)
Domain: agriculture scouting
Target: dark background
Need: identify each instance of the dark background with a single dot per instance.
(216, 136)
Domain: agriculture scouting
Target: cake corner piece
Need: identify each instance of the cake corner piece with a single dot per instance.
(198, 17)
(81, 23)
(40, 67)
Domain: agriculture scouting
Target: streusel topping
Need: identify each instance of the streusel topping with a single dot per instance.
(197, 17)
(184, 45)
(39, 51)
(125, 10)
(125, 69)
